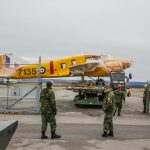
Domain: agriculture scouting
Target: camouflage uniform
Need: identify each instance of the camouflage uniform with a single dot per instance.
(119, 97)
(144, 99)
(108, 108)
(48, 109)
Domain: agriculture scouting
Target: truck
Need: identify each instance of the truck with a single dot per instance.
(119, 78)
(95, 95)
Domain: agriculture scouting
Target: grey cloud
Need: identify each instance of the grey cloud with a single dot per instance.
(55, 28)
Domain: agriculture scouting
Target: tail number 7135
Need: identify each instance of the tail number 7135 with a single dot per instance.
(28, 71)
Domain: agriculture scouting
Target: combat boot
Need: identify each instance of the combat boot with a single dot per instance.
(104, 134)
(54, 135)
(111, 133)
(43, 136)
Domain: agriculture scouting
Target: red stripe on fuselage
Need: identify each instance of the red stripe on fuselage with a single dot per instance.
(51, 67)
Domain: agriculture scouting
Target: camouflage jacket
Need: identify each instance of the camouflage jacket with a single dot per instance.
(109, 103)
(47, 100)
(145, 94)
(119, 95)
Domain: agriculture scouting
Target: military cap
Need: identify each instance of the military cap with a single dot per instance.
(146, 86)
(49, 84)
(107, 88)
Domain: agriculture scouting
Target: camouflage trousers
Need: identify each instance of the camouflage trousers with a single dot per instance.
(48, 118)
(144, 104)
(108, 123)
(118, 106)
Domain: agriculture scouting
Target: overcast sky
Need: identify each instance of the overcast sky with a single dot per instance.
(58, 28)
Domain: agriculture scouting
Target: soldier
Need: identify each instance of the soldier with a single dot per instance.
(48, 111)
(146, 88)
(108, 108)
(119, 97)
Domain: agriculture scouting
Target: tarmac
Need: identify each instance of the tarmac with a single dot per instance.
(81, 128)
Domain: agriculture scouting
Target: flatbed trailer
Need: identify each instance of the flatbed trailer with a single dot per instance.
(95, 95)
(89, 96)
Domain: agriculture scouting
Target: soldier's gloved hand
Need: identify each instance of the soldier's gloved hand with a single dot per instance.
(105, 109)
(54, 111)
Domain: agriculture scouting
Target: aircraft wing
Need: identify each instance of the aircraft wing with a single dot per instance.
(100, 67)
(84, 68)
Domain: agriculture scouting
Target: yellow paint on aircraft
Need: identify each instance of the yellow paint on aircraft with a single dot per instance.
(82, 65)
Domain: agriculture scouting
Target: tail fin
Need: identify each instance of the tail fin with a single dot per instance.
(4, 61)
(7, 62)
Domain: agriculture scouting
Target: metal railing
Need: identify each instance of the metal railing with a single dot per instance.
(20, 95)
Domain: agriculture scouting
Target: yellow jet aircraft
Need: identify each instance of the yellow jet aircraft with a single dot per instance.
(82, 65)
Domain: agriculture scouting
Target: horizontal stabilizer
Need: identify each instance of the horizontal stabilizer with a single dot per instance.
(7, 129)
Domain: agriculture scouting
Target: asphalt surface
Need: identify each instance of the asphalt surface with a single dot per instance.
(85, 132)
(81, 128)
